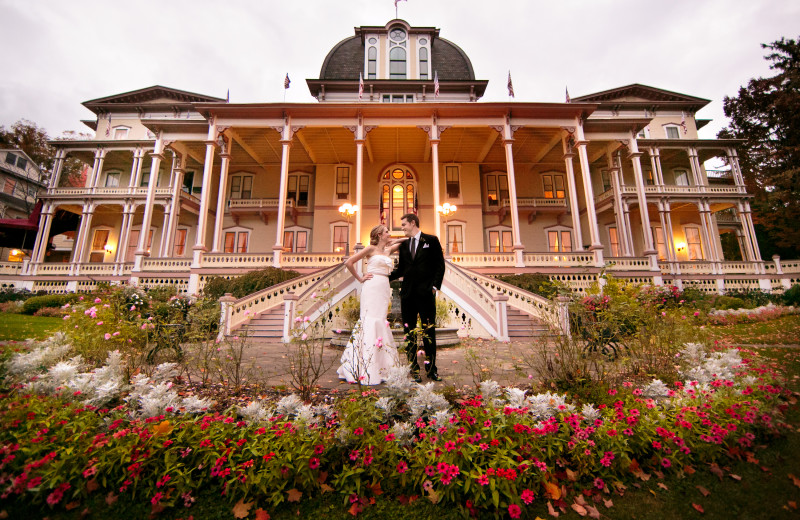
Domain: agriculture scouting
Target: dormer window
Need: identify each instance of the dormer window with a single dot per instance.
(397, 53)
(397, 34)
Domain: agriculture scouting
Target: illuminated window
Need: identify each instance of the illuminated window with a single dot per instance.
(398, 195)
(339, 239)
(553, 186)
(180, 241)
(496, 189)
(559, 241)
(613, 240)
(236, 241)
(295, 241)
(500, 241)
(693, 243)
(660, 243)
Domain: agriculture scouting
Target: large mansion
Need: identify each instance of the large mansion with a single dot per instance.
(182, 186)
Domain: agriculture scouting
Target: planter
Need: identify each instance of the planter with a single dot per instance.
(444, 337)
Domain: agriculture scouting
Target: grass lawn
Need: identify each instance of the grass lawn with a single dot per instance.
(782, 331)
(19, 327)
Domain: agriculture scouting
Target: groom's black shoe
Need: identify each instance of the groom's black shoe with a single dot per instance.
(434, 377)
(416, 378)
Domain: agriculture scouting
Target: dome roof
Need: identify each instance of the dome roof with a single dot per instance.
(346, 60)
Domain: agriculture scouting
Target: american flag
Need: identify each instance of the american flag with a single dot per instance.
(360, 86)
(683, 122)
(436, 84)
(287, 81)
(510, 86)
(569, 99)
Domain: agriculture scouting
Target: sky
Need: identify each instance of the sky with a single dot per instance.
(59, 54)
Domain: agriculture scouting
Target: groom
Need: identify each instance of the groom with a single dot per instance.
(421, 267)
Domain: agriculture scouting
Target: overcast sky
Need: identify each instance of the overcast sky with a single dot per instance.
(58, 53)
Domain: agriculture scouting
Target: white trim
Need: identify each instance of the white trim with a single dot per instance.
(677, 128)
(460, 224)
(559, 228)
(501, 229)
(120, 127)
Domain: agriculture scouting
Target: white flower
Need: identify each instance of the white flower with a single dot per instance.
(490, 389)
(398, 383)
(515, 397)
(589, 412)
(426, 401)
(289, 405)
(655, 389)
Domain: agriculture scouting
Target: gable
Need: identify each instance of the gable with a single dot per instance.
(637, 93)
(154, 95)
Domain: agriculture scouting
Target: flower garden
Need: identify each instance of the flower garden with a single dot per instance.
(97, 420)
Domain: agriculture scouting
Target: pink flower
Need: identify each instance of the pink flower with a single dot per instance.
(156, 498)
(98, 300)
(116, 334)
(99, 322)
(402, 467)
(527, 496)
(304, 336)
(666, 463)
(313, 463)
(358, 431)
(514, 511)
(107, 336)
(599, 484)
(483, 480)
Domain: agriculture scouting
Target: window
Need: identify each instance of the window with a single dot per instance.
(32, 191)
(397, 98)
(500, 241)
(553, 186)
(145, 178)
(112, 179)
(133, 244)
(188, 181)
(121, 132)
(22, 163)
(644, 133)
(613, 240)
(658, 240)
(496, 189)
(236, 241)
(11, 158)
(681, 177)
(605, 177)
(297, 191)
(647, 173)
(372, 63)
(559, 241)
(397, 63)
(423, 63)
(99, 245)
(10, 186)
(241, 187)
(672, 131)
(693, 244)
(455, 238)
(340, 236)
(398, 195)
(453, 182)
(342, 182)
(295, 241)
(180, 241)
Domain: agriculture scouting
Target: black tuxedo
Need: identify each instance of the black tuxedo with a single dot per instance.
(420, 275)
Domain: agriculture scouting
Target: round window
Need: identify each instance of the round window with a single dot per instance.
(423, 41)
(397, 173)
(373, 41)
(397, 34)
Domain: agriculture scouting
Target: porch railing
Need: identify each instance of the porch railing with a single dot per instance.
(483, 259)
(627, 264)
(166, 265)
(537, 202)
(564, 259)
(291, 260)
(257, 203)
(243, 260)
(10, 267)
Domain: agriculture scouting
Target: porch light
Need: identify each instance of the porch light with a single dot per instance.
(16, 252)
(109, 248)
(680, 246)
(347, 210)
(446, 210)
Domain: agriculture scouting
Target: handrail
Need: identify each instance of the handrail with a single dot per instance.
(474, 298)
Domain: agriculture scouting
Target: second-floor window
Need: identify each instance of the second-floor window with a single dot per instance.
(559, 241)
(342, 182)
(673, 131)
(423, 63)
(236, 241)
(180, 241)
(9, 186)
(553, 186)
(297, 191)
(605, 178)
(112, 179)
(453, 181)
(613, 240)
(496, 189)
(121, 132)
(681, 177)
(241, 187)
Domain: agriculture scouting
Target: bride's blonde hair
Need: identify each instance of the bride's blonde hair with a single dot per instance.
(375, 234)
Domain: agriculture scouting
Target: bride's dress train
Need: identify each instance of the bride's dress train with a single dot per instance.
(371, 350)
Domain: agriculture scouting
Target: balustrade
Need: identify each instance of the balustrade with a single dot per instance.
(10, 267)
(166, 264)
(537, 202)
(564, 259)
(627, 264)
(483, 259)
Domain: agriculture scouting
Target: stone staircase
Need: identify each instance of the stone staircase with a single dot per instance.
(267, 326)
(521, 326)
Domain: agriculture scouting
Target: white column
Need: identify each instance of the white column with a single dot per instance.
(162, 245)
(649, 249)
(748, 219)
(437, 218)
(512, 193)
(694, 163)
(222, 199)
(136, 168)
(155, 165)
(85, 229)
(669, 240)
(591, 212)
(655, 164)
(124, 234)
(45, 222)
(286, 143)
(97, 168)
(627, 234)
(619, 214)
(708, 249)
(174, 215)
(205, 200)
(58, 165)
(577, 233)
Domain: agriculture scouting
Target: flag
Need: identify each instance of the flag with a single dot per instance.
(228, 97)
(382, 214)
(436, 84)
(108, 126)
(360, 86)
(683, 122)
(416, 204)
(569, 99)
(510, 86)
(396, 2)
(287, 81)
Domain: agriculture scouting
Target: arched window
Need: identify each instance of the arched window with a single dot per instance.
(398, 195)
(423, 63)
(372, 63)
(397, 63)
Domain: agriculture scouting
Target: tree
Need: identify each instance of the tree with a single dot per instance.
(33, 140)
(766, 116)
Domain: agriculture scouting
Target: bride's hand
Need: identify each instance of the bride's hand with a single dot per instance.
(366, 277)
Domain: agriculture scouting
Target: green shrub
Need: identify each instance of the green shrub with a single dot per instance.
(350, 311)
(249, 283)
(14, 295)
(536, 283)
(35, 303)
(728, 302)
(792, 296)
(753, 298)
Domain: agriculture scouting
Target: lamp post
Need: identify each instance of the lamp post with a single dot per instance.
(446, 210)
(347, 210)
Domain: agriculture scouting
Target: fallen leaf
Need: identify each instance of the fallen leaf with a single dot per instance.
(571, 475)
(552, 490)
(795, 480)
(579, 509)
(608, 503)
(715, 469)
(792, 504)
(593, 512)
(261, 514)
(402, 499)
(689, 470)
(703, 491)
(323, 476)
(71, 505)
(157, 508)
(376, 489)
(242, 508)
(294, 495)
(653, 492)
(751, 458)
(552, 511)
(92, 485)
(111, 498)
(734, 476)
(325, 488)
(644, 476)
(580, 500)
(698, 508)
(663, 486)
(355, 509)
(163, 428)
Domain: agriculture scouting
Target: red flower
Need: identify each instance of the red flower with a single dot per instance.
(358, 431)
(402, 467)
(514, 511)
(313, 463)
(527, 496)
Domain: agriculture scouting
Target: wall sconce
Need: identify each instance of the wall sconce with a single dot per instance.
(680, 246)
(109, 249)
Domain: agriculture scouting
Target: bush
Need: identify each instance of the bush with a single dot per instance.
(536, 283)
(35, 303)
(792, 296)
(14, 295)
(723, 303)
(754, 297)
(249, 283)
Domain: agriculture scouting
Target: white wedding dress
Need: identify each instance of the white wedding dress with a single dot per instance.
(371, 350)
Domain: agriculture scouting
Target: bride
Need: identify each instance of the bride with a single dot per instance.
(371, 350)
